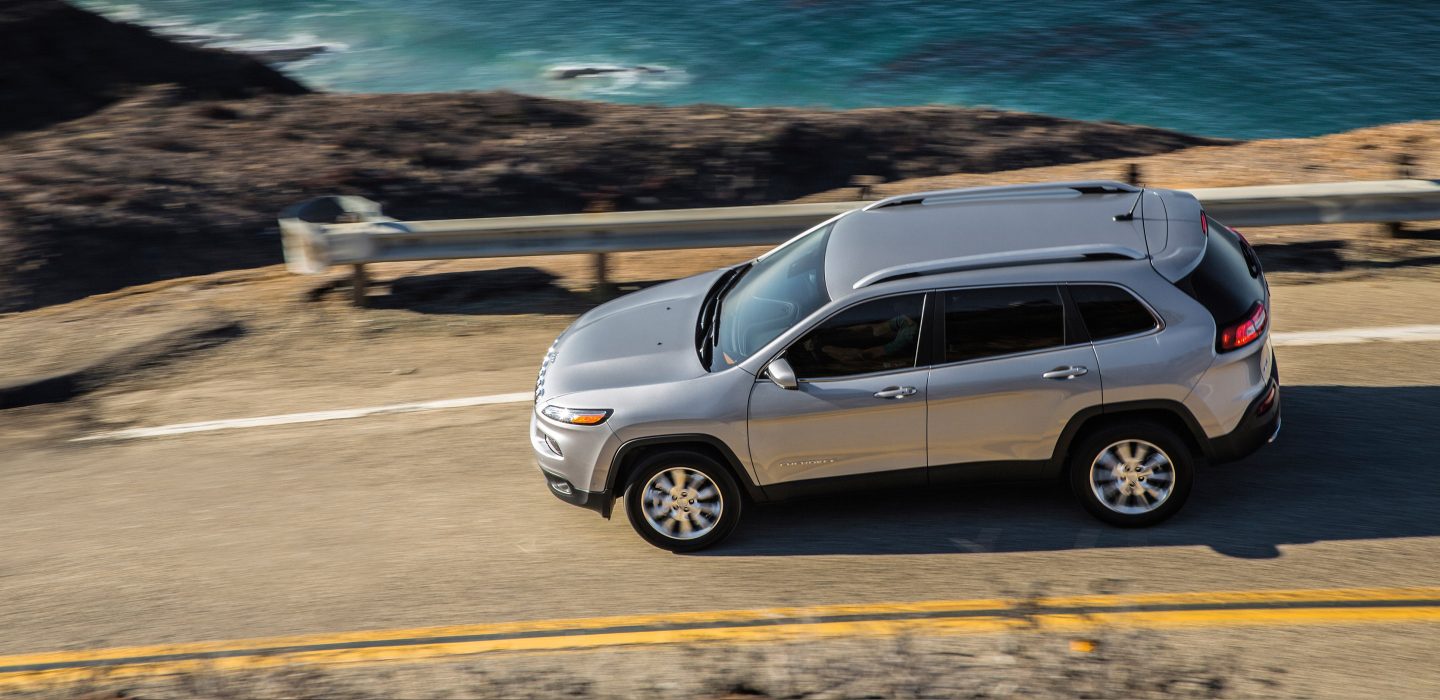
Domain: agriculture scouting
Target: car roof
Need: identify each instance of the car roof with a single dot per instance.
(991, 223)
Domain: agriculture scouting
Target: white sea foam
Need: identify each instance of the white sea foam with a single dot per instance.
(125, 13)
(615, 78)
(300, 40)
(219, 33)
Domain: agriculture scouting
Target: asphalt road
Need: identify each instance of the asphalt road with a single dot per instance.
(440, 518)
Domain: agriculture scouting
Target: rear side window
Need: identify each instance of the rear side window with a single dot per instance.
(874, 336)
(1228, 281)
(996, 321)
(1110, 312)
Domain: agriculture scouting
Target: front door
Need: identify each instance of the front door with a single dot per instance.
(860, 406)
(1006, 381)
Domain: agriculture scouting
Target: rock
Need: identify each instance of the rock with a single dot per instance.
(60, 62)
(572, 72)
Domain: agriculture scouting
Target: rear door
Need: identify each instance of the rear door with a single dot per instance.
(1009, 373)
(860, 407)
(1138, 363)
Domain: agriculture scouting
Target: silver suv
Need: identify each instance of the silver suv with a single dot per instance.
(1094, 331)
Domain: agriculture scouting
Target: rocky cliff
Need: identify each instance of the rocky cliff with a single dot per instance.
(59, 62)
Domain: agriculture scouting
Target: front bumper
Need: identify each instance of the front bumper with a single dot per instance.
(568, 456)
(564, 490)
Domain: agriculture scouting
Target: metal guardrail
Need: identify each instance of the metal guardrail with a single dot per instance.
(1379, 201)
(352, 231)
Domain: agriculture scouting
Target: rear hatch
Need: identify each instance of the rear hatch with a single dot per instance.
(1230, 284)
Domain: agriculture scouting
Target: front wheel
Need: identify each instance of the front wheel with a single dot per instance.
(682, 501)
(1132, 475)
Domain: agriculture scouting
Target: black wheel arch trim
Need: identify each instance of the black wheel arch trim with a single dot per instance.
(1175, 408)
(629, 447)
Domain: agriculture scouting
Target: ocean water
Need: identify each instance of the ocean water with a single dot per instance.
(1238, 69)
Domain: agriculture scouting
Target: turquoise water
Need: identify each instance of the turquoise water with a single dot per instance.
(1248, 70)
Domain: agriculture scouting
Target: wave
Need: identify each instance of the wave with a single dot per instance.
(297, 47)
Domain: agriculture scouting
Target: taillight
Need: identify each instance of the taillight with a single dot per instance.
(1246, 331)
(1204, 224)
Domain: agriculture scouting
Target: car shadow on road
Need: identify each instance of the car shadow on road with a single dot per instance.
(1351, 463)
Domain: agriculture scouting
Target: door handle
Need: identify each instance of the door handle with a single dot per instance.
(1066, 373)
(895, 392)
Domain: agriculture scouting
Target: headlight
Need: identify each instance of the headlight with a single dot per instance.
(576, 416)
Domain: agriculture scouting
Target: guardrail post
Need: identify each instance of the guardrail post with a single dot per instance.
(1132, 174)
(359, 283)
(866, 185)
(601, 203)
(603, 288)
(1403, 162)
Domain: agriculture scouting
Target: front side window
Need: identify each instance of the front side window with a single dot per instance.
(874, 336)
(995, 321)
(1110, 312)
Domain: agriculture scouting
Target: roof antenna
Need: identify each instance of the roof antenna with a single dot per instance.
(1130, 215)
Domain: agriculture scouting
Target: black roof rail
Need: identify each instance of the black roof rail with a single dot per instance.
(979, 194)
(1034, 256)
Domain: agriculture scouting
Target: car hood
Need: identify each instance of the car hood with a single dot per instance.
(647, 337)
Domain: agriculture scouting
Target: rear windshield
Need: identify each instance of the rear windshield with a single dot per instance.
(1228, 281)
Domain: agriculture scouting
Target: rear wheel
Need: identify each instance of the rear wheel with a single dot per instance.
(1132, 474)
(683, 501)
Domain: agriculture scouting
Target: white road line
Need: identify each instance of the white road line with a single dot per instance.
(1343, 336)
(311, 417)
(1348, 336)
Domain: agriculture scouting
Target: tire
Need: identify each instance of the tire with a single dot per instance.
(1122, 488)
(657, 506)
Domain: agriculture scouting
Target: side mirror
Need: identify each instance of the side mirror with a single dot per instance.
(780, 372)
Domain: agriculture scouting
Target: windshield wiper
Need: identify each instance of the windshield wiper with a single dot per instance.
(702, 324)
(707, 331)
(720, 299)
(703, 335)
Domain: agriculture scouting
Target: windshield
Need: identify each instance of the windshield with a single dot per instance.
(781, 288)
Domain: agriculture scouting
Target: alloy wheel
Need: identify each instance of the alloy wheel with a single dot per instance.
(1132, 476)
(682, 503)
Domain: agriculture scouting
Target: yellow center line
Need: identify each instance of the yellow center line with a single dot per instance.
(953, 617)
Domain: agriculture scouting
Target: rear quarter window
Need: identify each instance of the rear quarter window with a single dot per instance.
(1228, 280)
(1111, 312)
